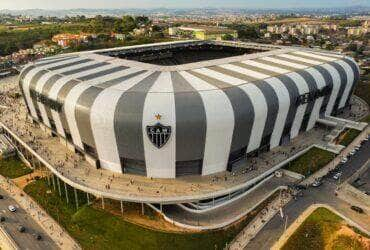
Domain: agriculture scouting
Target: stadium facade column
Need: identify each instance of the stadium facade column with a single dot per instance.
(53, 182)
(76, 198)
(121, 207)
(66, 191)
(102, 202)
(88, 198)
(59, 190)
(142, 209)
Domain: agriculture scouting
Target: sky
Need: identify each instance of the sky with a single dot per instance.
(115, 4)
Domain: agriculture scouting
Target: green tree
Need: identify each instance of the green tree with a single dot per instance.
(128, 24)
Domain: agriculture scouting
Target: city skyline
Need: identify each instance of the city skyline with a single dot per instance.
(141, 4)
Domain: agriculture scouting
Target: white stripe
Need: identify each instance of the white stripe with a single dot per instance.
(284, 104)
(28, 78)
(244, 71)
(260, 115)
(302, 89)
(219, 76)
(300, 59)
(336, 86)
(160, 163)
(320, 82)
(220, 125)
(349, 84)
(75, 93)
(102, 122)
(282, 62)
(266, 66)
(314, 56)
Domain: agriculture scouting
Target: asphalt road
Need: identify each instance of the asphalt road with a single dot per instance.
(273, 230)
(25, 240)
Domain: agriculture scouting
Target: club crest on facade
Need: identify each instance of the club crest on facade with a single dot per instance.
(158, 134)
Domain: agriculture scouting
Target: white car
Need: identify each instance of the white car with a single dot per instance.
(353, 152)
(344, 160)
(337, 176)
(12, 208)
(316, 183)
(357, 148)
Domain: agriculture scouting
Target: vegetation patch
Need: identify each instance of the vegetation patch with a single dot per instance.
(348, 136)
(311, 161)
(95, 228)
(325, 230)
(13, 167)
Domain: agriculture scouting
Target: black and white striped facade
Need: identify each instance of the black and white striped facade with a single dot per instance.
(219, 111)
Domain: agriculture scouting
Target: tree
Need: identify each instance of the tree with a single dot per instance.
(97, 24)
(128, 24)
(227, 37)
(142, 21)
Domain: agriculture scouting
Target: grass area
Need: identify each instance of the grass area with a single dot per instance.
(13, 167)
(313, 232)
(349, 136)
(95, 228)
(319, 231)
(311, 161)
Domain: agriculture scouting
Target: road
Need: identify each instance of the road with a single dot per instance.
(27, 239)
(273, 230)
(227, 213)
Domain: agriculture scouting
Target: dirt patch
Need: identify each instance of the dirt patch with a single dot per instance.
(24, 180)
(349, 233)
(132, 213)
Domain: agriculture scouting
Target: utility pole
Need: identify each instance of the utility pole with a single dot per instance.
(286, 223)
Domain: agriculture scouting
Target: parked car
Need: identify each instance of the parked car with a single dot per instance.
(38, 237)
(316, 183)
(21, 229)
(353, 152)
(357, 209)
(302, 187)
(1, 197)
(12, 208)
(357, 148)
(344, 160)
(2, 218)
(337, 175)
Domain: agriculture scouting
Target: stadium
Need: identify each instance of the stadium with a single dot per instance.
(184, 108)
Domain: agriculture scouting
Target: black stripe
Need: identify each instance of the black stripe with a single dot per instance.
(343, 83)
(190, 132)
(312, 86)
(293, 95)
(272, 110)
(128, 119)
(69, 64)
(356, 78)
(84, 68)
(329, 82)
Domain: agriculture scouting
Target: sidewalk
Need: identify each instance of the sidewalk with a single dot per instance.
(60, 237)
(251, 230)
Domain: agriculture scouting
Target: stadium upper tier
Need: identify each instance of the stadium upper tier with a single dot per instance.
(185, 108)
